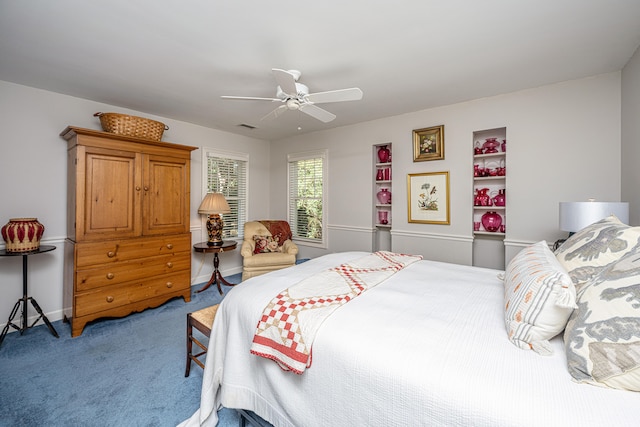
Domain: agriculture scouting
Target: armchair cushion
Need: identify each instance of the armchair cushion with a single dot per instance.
(266, 244)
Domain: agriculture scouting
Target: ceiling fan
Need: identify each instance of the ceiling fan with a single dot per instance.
(296, 96)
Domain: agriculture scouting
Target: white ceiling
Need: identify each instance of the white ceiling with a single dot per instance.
(175, 58)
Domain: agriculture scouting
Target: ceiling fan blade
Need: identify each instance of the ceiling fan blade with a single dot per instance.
(286, 81)
(250, 98)
(351, 94)
(317, 112)
(275, 113)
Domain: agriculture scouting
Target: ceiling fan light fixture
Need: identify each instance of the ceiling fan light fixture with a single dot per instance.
(293, 104)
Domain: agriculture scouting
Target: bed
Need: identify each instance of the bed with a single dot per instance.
(425, 347)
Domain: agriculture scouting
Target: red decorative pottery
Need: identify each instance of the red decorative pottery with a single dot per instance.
(490, 145)
(500, 199)
(482, 197)
(379, 175)
(384, 196)
(22, 234)
(503, 146)
(384, 154)
(491, 221)
(383, 217)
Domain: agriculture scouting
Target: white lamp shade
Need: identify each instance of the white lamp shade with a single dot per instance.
(214, 203)
(574, 216)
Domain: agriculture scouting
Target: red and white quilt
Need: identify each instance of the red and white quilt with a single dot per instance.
(289, 323)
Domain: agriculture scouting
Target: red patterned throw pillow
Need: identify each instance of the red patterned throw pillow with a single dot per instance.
(266, 244)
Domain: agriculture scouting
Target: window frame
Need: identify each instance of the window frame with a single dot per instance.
(208, 152)
(292, 159)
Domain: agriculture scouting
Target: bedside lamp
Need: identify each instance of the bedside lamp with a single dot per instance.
(213, 205)
(574, 216)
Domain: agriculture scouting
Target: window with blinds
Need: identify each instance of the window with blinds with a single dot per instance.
(306, 196)
(226, 173)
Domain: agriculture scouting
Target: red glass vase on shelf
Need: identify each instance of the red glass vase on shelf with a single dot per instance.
(491, 221)
(500, 199)
(383, 217)
(384, 196)
(384, 154)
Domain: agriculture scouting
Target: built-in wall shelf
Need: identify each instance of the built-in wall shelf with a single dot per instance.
(382, 195)
(489, 197)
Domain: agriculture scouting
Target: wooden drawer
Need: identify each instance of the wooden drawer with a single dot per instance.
(110, 251)
(107, 298)
(113, 274)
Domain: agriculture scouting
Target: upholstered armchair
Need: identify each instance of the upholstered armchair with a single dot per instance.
(267, 246)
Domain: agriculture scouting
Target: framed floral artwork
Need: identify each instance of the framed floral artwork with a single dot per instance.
(428, 197)
(428, 144)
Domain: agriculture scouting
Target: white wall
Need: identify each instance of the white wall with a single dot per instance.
(631, 136)
(563, 145)
(33, 167)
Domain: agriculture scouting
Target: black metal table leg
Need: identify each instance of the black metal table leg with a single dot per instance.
(23, 326)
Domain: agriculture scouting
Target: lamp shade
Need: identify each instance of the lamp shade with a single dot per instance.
(574, 216)
(214, 203)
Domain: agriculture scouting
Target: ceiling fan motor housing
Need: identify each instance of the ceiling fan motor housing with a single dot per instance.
(302, 90)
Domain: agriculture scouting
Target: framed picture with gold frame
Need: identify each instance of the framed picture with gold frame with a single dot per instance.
(428, 197)
(428, 144)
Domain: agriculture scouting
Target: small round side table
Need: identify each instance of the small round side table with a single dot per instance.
(216, 277)
(25, 298)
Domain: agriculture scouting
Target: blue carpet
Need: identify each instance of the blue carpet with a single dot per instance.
(119, 372)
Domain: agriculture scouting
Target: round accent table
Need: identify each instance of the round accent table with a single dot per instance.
(216, 277)
(25, 298)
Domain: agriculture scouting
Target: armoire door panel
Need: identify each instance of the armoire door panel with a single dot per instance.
(166, 195)
(111, 195)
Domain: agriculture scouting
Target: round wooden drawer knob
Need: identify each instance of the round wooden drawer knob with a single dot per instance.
(169, 246)
(169, 264)
(109, 298)
(110, 276)
(111, 254)
(169, 285)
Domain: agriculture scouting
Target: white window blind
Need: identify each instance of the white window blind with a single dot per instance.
(226, 173)
(306, 195)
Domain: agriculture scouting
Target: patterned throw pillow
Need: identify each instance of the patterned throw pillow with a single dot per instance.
(266, 244)
(602, 338)
(593, 248)
(539, 298)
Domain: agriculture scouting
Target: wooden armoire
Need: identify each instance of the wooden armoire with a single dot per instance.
(128, 243)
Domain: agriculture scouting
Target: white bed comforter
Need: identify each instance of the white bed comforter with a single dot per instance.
(426, 347)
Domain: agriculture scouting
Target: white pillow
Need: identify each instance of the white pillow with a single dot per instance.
(539, 297)
(596, 246)
(602, 338)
